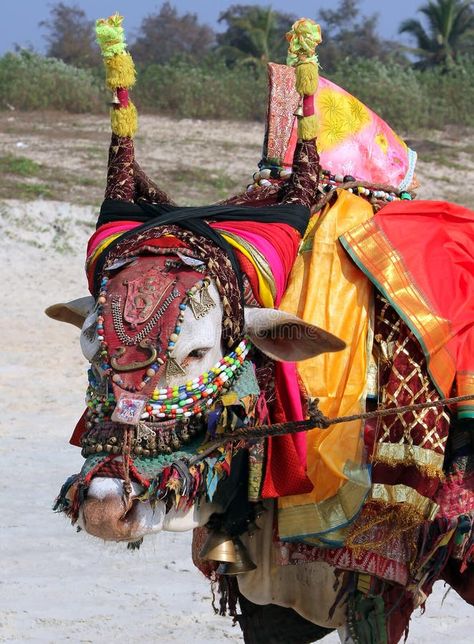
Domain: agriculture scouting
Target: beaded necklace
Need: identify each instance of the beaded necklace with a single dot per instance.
(270, 175)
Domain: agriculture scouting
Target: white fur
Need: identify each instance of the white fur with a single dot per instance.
(204, 333)
(150, 520)
(310, 589)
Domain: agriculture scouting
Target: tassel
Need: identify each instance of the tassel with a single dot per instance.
(110, 35)
(308, 127)
(120, 71)
(303, 38)
(120, 74)
(124, 120)
(307, 77)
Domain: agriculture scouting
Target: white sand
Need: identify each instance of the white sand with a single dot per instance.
(56, 585)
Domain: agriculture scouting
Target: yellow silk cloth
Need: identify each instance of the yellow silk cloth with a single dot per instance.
(328, 290)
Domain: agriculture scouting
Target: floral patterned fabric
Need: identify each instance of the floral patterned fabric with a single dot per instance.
(352, 140)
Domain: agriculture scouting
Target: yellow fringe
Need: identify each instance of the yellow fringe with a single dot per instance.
(120, 71)
(124, 120)
(307, 79)
(308, 127)
(398, 519)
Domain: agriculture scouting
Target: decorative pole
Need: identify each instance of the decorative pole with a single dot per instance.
(303, 38)
(119, 74)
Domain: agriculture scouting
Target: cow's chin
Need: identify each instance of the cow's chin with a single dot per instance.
(105, 514)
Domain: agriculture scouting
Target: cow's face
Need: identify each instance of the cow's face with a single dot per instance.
(108, 513)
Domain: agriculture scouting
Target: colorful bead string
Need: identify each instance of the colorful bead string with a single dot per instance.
(195, 395)
(271, 175)
(177, 402)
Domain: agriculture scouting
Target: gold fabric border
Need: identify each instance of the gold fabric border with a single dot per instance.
(335, 512)
(392, 494)
(426, 460)
(373, 253)
(465, 387)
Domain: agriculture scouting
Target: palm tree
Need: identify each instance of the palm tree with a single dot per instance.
(254, 35)
(450, 32)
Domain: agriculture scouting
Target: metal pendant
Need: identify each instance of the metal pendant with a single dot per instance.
(173, 369)
(201, 303)
(129, 408)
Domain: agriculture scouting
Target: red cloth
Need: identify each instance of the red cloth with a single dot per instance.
(420, 254)
(285, 473)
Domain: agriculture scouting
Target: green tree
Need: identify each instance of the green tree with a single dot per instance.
(349, 35)
(70, 36)
(166, 35)
(254, 35)
(449, 32)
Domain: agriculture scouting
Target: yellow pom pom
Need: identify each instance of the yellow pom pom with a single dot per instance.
(308, 127)
(307, 79)
(120, 71)
(124, 120)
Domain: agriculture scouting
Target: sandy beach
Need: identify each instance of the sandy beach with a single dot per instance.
(56, 585)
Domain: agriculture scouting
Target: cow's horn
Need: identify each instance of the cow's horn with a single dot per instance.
(74, 312)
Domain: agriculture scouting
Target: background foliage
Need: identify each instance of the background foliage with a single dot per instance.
(186, 70)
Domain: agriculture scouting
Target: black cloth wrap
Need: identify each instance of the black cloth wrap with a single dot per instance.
(194, 219)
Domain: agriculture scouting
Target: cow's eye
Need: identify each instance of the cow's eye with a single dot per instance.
(198, 353)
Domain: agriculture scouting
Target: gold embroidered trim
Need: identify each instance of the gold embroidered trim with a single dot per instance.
(392, 494)
(396, 522)
(368, 245)
(328, 515)
(427, 461)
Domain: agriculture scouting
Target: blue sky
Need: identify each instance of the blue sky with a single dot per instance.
(20, 18)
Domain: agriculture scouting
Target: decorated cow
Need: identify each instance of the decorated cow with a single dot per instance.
(215, 332)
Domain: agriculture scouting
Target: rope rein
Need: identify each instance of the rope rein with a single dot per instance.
(316, 420)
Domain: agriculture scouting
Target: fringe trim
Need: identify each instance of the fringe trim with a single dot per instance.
(179, 485)
(124, 120)
(402, 518)
(308, 127)
(430, 471)
(306, 79)
(227, 590)
(120, 71)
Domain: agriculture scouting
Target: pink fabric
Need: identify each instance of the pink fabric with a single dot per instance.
(294, 408)
(267, 250)
(352, 139)
(107, 230)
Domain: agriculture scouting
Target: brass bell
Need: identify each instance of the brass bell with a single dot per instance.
(115, 99)
(298, 112)
(242, 562)
(219, 547)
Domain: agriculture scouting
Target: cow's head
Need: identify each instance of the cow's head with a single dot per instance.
(156, 334)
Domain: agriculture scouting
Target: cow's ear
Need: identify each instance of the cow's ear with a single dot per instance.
(74, 312)
(287, 338)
